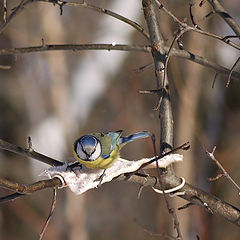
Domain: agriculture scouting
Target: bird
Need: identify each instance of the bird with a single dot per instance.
(101, 150)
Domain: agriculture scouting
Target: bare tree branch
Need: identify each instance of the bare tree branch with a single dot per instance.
(24, 3)
(220, 10)
(211, 155)
(192, 194)
(120, 47)
(27, 153)
(187, 28)
(11, 197)
(15, 12)
(165, 109)
(231, 71)
(30, 188)
(75, 47)
(53, 207)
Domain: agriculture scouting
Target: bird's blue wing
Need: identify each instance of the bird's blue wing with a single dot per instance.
(135, 136)
(114, 136)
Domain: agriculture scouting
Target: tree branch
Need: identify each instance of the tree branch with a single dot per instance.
(165, 110)
(220, 10)
(192, 194)
(75, 47)
(30, 188)
(15, 12)
(28, 153)
(120, 47)
(230, 179)
(24, 3)
(187, 28)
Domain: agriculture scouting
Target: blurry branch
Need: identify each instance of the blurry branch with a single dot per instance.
(11, 197)
(53, 206)
(211, 155)
(120, 47)
(75, 47)
(84, 4)
(28, 153)
(100, 10)
(219, 9)
(15, 12)
(204, 62)
(192, 194)
(153, 234)
(187, 28)
(5, 67)
(213, 179)
(191, 15)
(30, 188)
(4, 10)
(231, 71)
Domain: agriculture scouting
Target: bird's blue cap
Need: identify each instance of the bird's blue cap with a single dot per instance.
(88, 141)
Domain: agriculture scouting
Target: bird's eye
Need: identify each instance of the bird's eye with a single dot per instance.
(88, 148)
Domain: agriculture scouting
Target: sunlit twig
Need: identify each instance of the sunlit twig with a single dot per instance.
(211, 155)
(53, 206)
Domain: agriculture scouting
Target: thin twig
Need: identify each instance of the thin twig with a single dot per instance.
(191, 15)
(231, 71)
(11, 197)
(53, 206)
(214, 80)
(186, 206)
(153, 91)
(152, 234)
(143, 68)
(15, 12)
(176, 38)
(211, 155)
(194, 29)
(170, 209)
(204, 62)
(230, 36)
(216, 178)
(184, 147)
(5, 10)
(209, 14)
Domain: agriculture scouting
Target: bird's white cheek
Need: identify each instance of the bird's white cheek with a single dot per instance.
(96, 153)
(80, 152)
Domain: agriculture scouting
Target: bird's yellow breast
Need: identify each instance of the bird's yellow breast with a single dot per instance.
(101, 163)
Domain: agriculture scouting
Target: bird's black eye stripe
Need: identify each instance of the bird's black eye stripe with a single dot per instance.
(84, 151)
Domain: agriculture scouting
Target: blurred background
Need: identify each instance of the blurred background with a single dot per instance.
(55, 97)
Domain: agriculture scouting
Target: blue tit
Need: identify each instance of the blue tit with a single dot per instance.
(101, 150)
